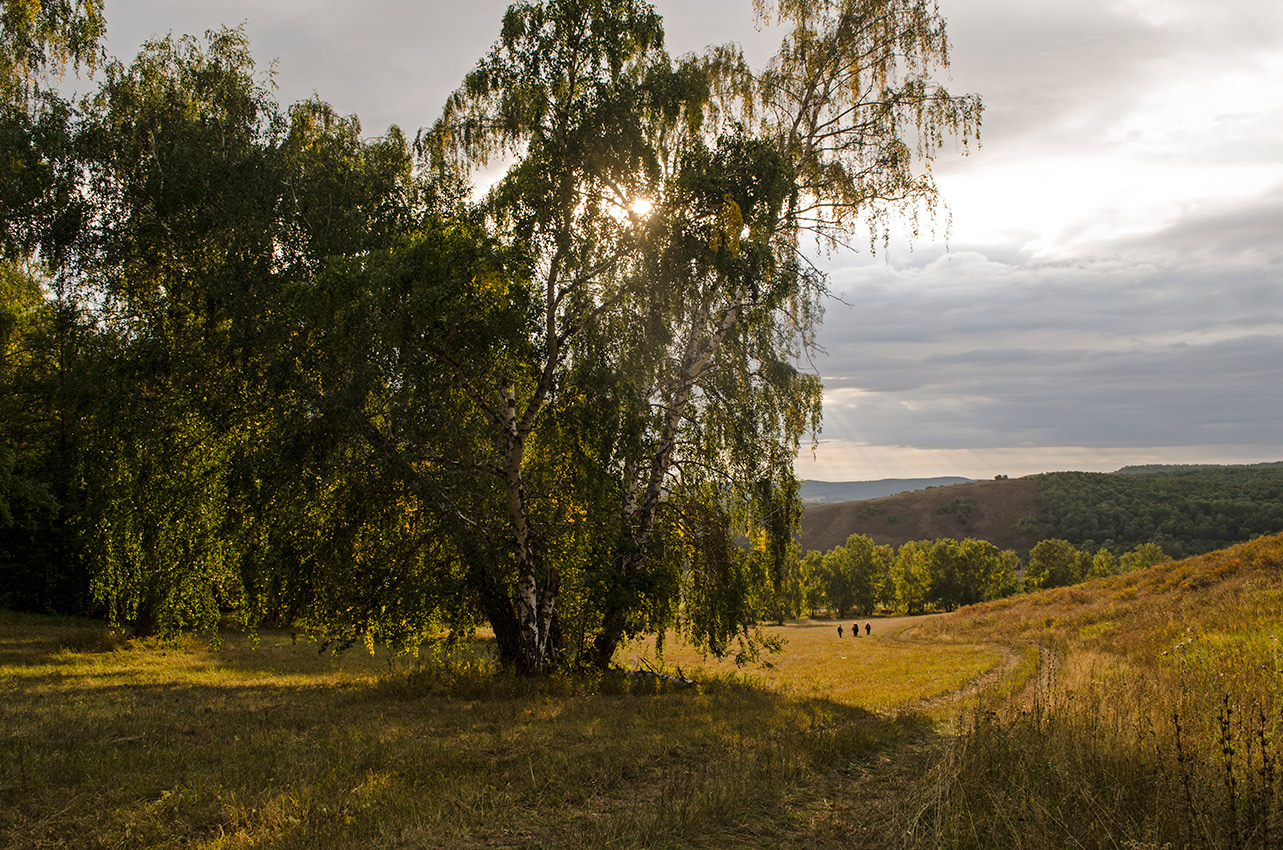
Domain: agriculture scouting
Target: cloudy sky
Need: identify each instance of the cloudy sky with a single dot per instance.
(1109, 290)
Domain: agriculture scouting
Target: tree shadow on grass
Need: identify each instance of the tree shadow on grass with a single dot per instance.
(280, 757)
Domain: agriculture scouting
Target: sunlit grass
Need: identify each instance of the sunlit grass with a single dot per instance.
(1154, 718)
(886, 670)
(108, 743)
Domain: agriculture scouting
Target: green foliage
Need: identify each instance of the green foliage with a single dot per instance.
(42, 370)
(961, 509)
(204, 492)
(853, 575)
(941, 574)
(38, 38)
(42, 385)
(965, 572)
(41, 207)
(811, 567)
(275, 372)
(1186, 510)
(911, 575)
(1143, 556)
(1055, 563)
(1104, 563)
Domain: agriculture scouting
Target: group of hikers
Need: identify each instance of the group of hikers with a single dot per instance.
(855, 629)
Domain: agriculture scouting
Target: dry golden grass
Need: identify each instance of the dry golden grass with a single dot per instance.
(1155, 718)
(107, 744)
(1139, 711)
(885, 670)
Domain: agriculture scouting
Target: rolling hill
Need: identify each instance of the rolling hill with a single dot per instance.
(988, 510)
(851, 491)
(1158, 691)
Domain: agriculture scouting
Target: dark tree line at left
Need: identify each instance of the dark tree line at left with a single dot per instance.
(260, 368)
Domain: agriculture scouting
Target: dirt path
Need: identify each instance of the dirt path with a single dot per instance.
(903, 629)
(868, 805)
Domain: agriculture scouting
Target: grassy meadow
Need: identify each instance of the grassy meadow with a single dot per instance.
(113, 744)
(1139, 711)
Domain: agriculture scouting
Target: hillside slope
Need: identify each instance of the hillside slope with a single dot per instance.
(1147, 713)
(1186, 510)
(1234, 593)
(987, 510)
(814, 492)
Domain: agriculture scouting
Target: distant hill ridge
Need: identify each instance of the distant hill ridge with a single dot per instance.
(1003, 512)
(1180, 468)
(815, 492)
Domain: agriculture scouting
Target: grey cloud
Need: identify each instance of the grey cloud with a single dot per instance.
(1245, 234)
(1061, 78)
(1185, 394)
(966, 351)
(1047, 70)
(971, 300)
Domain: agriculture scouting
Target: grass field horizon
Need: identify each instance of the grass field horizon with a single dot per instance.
(1135, 711)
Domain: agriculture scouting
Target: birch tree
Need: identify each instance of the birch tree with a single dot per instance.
(664, 205)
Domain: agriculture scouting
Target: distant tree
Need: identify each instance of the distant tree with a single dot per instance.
(1104, 563)
(1184, 509)
(837, 572)
(1055, 563)
(854, 575)
(961, 509)
(911, 574)
(787, 597)
(1143, 556)
(1003, 579)
(971, 571)
(812, 570)
(872, 571)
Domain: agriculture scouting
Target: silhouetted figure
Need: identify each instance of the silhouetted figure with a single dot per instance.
(855, 629)
(839, 631)
(868, 627)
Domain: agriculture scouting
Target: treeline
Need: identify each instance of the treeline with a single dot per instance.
(1187, 510)
(861, 576)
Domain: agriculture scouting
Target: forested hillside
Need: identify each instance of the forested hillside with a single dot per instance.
(1185, 509)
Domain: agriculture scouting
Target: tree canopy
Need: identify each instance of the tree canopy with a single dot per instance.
(323, 379)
